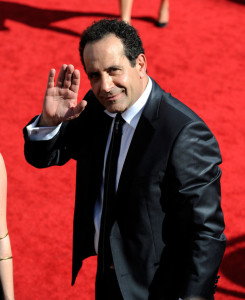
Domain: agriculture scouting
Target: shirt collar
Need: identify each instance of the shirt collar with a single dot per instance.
(133, 113)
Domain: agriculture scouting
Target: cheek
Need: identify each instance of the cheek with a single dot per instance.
(123, 82)
(125, 78)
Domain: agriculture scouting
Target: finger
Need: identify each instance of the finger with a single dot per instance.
(79, 108)
(82, 104)
(51, 78)
(75, 81)
(74, 112)
(68, 76)
(61, 76)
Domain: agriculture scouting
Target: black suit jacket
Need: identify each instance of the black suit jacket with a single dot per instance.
(167, 241)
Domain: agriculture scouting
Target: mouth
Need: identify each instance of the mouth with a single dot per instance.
(113, 97)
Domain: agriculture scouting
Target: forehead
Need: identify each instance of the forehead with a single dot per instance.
(105, 50)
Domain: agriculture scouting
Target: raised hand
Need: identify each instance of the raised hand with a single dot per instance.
(60, 101)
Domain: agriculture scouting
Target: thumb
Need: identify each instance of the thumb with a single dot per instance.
(79, 108)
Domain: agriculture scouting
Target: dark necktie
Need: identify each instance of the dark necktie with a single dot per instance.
(107, 218)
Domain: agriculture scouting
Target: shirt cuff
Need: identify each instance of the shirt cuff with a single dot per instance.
(41, 133)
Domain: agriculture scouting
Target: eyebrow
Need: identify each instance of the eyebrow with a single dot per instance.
(114, 67)
(107, 69)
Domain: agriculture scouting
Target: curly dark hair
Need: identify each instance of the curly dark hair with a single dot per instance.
(126, 33)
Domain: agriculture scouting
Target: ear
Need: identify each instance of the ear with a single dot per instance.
(141, 65)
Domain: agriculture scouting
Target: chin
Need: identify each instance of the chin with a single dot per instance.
(115, 108)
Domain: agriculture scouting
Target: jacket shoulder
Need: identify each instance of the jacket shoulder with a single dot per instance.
(172, 112)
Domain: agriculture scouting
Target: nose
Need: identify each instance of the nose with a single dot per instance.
(106, 83)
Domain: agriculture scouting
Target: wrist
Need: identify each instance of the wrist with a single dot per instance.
(47, 122)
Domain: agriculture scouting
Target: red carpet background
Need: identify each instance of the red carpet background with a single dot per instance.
(199, 57)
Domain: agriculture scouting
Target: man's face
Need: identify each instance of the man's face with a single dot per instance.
(115, 83)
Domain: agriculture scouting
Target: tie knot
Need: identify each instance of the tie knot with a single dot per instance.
(119, 118)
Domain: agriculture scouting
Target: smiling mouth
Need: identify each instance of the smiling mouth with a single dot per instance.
(113, 98)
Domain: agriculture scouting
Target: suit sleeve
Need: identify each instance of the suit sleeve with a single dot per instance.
(196, 176)
(68, 143)
(64, 146)
(43, 153)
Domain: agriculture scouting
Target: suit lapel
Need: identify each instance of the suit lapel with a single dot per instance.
(141, 139)
(99, 145)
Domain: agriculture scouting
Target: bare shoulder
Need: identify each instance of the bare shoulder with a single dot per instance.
(3, 198)
(2, 165)
(1, 160)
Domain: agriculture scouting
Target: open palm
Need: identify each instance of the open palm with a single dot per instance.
(60, 101)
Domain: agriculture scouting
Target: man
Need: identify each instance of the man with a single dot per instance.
(160, 234)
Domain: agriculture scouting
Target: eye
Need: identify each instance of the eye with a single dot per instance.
(93, 76)
(114, 71)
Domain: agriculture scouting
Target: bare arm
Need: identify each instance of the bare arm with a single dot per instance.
(60, 101)
(6, 265)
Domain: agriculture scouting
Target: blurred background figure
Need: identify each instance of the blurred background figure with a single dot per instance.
(6, 263)
(126, 8)
(163, 15)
